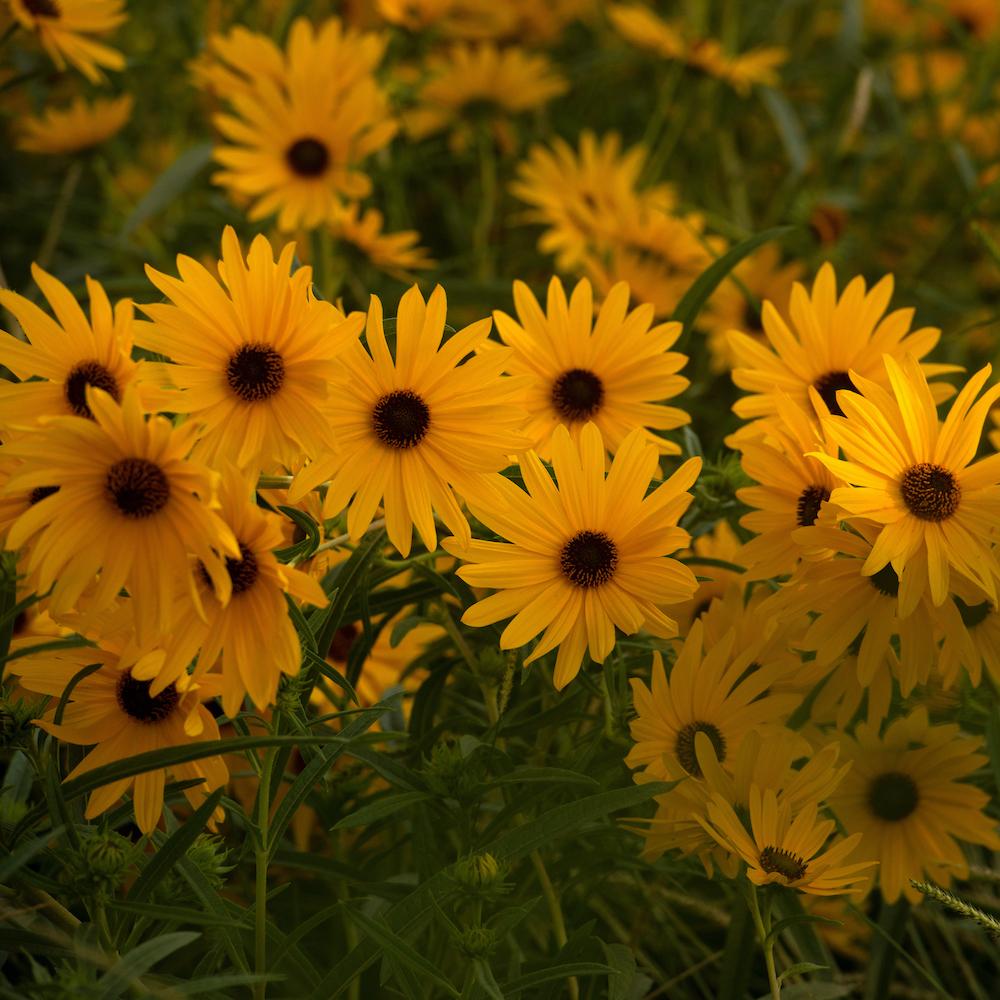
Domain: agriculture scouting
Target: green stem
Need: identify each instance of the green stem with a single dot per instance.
(487, 205)
(892, 919)
(763, 926)
(58, 216)
(555, 913)
(260, 857)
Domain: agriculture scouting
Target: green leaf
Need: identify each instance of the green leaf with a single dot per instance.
(172, 914)
(802, 931)
(622, 963)
(216, 984)
(71, 642)
(392, 944)
(705, 284)
(304, 548)
(800, 969)
(173, 848)
(139, 960)
(553, 972)
(486, 979)
(168, 186)
(13, 861)
(788, 922)
(814, 991)
(380, 808)
(737, 955)
(556, 775)
(789, 128)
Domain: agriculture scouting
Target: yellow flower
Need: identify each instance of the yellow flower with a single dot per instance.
(61, 357)
(616, 372)
(582, 195)
(969, 626)
(79, 126)
(254, 354)
(783, 845)
(584, 556)
(397, 254)
(128, 504)
(297, 142)
(114, 710)
(405, 430)
(828, 340)
(912, 475)
(905, 799)
(709, 690)
(481, 79)
(65, 27)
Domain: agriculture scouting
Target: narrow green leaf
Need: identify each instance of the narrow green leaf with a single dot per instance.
(221, 984)
(391, 943)
(172, 914)
(800, 969)
(140, 960)
(346, 578)
(168, 186)
(173, 848)
(13, 861)
(789, 922)
(622, 962)
(306, 546)
(790, 130)
(802, 931)
(738, 953)
(486, 979)
(553, 972)
(71, 642)
(380, 808)
(554, 775)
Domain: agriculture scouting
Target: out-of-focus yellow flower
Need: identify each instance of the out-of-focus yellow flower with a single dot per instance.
(79, 126)
(396, 254)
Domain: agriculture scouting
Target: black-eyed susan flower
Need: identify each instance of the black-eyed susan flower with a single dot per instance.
(482, 80)
(827, 339)
(581, 195)
(915, 476)
(61, 356)
(397, 254)
(969, 628)
(65, 29)
(115, 710)
(786, 847)
(80, 125)
(583, 556)
(296, 144)
(406, 427)
(253, 354)
(905, 797)
(249, 638)
(128, 509)
(616, 371)
(711, 691)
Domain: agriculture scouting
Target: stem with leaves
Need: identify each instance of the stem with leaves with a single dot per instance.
(762, 922)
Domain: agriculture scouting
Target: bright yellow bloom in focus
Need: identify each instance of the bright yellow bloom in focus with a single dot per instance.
(254, 354)
(79, 126)
(915, 476)
(250, 638)
(296, 144)
(397, 254)
(61, 356)
(783, 846)
(904, 796)
(122, 500)
(114, 710)
(494, 82)
(583, 556)
(616, 372)
(65, 27)
(405, 430)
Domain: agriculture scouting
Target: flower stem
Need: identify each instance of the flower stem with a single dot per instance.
(58, 217)
(763, 925)
(260, 892)
(555, 913)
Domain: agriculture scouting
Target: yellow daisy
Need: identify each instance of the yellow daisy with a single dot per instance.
(65, 29)
(254, 354)
(118, 712)
(969, 627)
(582, 195)
(296, 145)
(710, 691)
(403, 430)
(397, 254)
(250, 638)
(484, 80)
(615, 372)
(60, 357)
(905, 798)
(583, 556)
(912, 475)
(79, 126)
(129, 505)
(783, 846)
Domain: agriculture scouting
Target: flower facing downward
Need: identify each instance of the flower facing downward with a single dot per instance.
(404, 430)
(583, 556)
(253, 354)
(79, 126)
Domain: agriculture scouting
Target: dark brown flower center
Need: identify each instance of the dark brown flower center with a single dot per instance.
(255, 372)
(684, 746)
(930, 491)
(137, 487)
(893, 796)
(308, 157)
(84, 374)
(589, 559)
(828, 386)
(42, 8)
(973, 614)
(786, 864)
(136, 702)
(341, 643)
(243, 572)
(39, 493)
(885, 581)
(577, 394)
(809, 503)
(400, 419)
